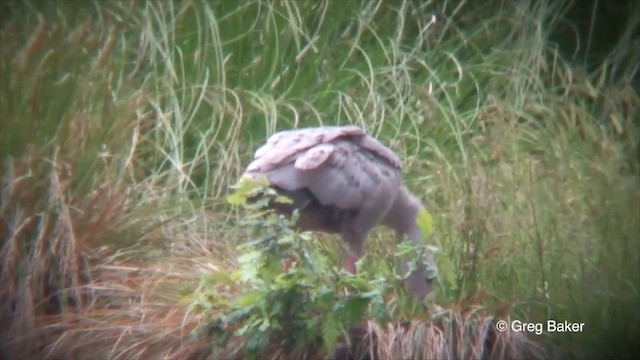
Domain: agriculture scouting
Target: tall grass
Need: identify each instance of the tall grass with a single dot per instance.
(122, 124)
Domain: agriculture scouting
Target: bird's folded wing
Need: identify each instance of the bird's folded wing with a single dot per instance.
(284, 147)
(339, 165)
(314, 157)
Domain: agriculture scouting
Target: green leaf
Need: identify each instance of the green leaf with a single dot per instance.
(237, 199)
(295, 216)
(238, 315)
(207, 280)
(256, 342)
(242, 330)
(331, 331)
(259, 203)
(446, 270)
(246, 188)
(282, 199)
(425, 222)
(216, 330)
(325, 297)
(286, 239)
(406, 248)
(249, 264)
(351, 310)
(236, 275)
(264, 325)
(355, 282)
(220, 277)
(250, 299)
(379, 312)
(249, 258)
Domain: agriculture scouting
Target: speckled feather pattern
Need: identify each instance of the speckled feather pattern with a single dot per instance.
(341, 166)
(285, 145)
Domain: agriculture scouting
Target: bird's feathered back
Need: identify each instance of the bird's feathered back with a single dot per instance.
(282, 147)
(341, 166)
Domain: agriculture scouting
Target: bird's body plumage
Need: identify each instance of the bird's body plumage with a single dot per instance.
(343, 181)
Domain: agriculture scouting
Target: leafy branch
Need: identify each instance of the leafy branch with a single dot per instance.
(291, 290)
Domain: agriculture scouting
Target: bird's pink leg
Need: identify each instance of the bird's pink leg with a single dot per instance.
(355, 242)
(350, 264)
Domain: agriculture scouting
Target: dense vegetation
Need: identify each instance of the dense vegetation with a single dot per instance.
(123, 124)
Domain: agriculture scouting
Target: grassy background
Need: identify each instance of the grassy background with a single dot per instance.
(122, 124)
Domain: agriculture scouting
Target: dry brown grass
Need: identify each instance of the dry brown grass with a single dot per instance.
(66, 296)
(79, 279)
(49, 239)
(450, 334)
(131, 319)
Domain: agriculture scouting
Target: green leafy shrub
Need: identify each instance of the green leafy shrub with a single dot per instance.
(314, 302)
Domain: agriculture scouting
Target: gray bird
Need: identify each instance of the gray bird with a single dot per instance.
(343, 181)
